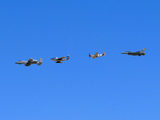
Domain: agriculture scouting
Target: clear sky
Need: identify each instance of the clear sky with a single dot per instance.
(113, 87)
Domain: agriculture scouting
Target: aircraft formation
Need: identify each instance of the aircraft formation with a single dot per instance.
(59, 60)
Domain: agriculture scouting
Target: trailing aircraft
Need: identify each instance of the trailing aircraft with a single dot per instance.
(138, 53)
(97, 55)
(58, 60)
(30, 61)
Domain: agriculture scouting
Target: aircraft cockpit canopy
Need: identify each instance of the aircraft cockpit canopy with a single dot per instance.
(34, 60)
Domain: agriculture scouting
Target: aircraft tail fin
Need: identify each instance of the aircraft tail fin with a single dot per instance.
(40, 61)
(142, 51)
(68, 57)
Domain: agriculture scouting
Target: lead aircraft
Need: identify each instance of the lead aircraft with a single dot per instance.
(97, 55)
(58, 60)
(138, 53)
(30, 61)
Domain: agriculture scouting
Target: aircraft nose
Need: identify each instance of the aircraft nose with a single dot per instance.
(52, 58)
(124, 53)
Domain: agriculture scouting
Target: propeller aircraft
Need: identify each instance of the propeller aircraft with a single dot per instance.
(96, 55)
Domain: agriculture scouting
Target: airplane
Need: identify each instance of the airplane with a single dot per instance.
(97, 55)
(139, 53)
(30, 61)
(58, 60)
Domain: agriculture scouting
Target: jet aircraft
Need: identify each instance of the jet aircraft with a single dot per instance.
(58, 60)
(97, 55)
(138, 53)
(30, 61)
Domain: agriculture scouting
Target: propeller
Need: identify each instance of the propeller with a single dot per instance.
(89, 55)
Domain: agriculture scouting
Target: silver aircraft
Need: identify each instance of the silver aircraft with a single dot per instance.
(30, 61)
(97, 55)
(138, 53)
(58, 60)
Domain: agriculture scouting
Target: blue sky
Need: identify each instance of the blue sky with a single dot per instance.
(113, 87)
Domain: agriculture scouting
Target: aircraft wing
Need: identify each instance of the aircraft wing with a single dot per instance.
(31, 59)
(61, 58)
(136, 53)
(58, 62)
(29, 62)
(95, 55)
